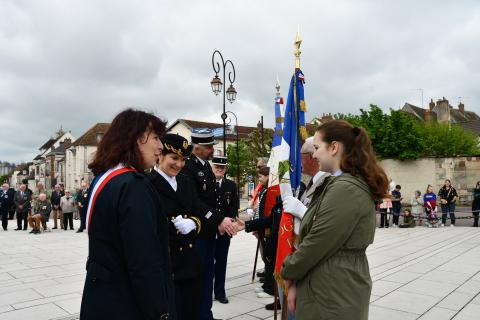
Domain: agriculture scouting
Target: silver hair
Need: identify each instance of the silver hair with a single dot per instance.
(307, 146)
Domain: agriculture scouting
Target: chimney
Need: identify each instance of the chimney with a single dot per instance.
(428, 116)
(461, 107)
(326, 118)
(431, 105)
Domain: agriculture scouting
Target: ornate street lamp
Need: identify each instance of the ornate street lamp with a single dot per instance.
(217, 86)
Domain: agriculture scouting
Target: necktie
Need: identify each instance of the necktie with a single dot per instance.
(309, 185)
(218, 185)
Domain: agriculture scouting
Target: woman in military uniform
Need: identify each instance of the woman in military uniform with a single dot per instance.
(180, 204)
(330, 266)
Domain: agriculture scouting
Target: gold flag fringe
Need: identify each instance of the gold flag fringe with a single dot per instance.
(303, 132)
(303, 106)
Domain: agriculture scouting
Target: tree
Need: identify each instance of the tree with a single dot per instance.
(399, 135)
(250, 149)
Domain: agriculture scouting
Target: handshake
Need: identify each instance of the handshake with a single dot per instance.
(228, 225)
(231, 226)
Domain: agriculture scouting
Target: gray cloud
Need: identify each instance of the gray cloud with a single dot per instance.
(75, 63)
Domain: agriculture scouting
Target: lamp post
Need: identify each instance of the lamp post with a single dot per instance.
(218, 85)
(238, 155)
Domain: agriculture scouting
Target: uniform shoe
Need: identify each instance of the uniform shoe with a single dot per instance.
(271, 306)
(261, 274)
(261, 280)
(222, 300)
(264, 295)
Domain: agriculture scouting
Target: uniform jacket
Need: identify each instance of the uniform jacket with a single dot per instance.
(23, 201)
(55, 198)
(330, 264)
(227, 198)
(186, 261)
(82, 197)
(204, 181)
(272, 223)
(128, 269)
(11, 195)
(6, 201)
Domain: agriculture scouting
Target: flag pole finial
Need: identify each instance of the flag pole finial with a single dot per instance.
(298, 42)
(277, 86)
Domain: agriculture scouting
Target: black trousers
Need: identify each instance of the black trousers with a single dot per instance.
(396, 217)
(22, 216)
(4, 215)
(83, 218)
(221, 254)
(11, 213)
(475, 219)
(383, 218)
(67, 218)
(187, 298)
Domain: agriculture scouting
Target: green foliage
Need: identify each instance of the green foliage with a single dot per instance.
(249, 150)
(3, 178)
(399, 135)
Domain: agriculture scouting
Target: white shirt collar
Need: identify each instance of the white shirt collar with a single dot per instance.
(201, 160)
(172, 181)
(317, 176)
(338, 173)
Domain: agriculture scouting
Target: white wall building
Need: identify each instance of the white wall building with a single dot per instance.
(80, 154)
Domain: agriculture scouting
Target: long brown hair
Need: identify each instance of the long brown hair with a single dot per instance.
(119, 143)
(358, 158)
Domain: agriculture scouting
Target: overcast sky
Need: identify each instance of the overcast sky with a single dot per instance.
(75, 63)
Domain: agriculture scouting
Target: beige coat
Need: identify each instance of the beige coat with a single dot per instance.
(330, 265)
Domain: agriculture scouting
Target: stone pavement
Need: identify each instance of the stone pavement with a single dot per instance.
(418, 274)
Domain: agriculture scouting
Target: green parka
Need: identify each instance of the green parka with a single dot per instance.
(330, 265)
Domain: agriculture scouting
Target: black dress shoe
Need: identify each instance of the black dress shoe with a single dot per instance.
(54, 228)
(222, 300)
(270, 306)
(79, 230)
(261, 280)
(18, 229)
(24, 229)
(261, 274)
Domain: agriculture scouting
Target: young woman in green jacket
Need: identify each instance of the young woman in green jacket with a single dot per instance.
(328, 275)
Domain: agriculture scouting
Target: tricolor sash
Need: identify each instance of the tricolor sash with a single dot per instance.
(99, 183)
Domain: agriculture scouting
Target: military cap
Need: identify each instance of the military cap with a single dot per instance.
(219, 160)
(175, 143)
(203, 137)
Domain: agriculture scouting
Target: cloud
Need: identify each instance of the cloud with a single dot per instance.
(75, 63)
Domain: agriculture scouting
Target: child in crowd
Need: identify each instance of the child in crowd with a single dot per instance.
(408, 219)
(385, 208)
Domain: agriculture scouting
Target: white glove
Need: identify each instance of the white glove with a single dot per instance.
(294, 206)
(250, 212)
(184, 226)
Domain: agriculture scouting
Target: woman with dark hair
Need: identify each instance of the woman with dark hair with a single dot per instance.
(330, 266)
(476, 204)
(128, 267)
(184, 213)
(448, 196)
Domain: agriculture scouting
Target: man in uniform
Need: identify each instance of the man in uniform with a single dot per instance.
(199, 170)
(227, 201)
(5, 203)
(82, 197)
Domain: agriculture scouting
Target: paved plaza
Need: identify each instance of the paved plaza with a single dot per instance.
(418, 274)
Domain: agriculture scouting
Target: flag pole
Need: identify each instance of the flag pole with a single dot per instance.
(256, 259)
(298, 42)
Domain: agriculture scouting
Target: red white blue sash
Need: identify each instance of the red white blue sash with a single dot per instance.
(101, 182)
